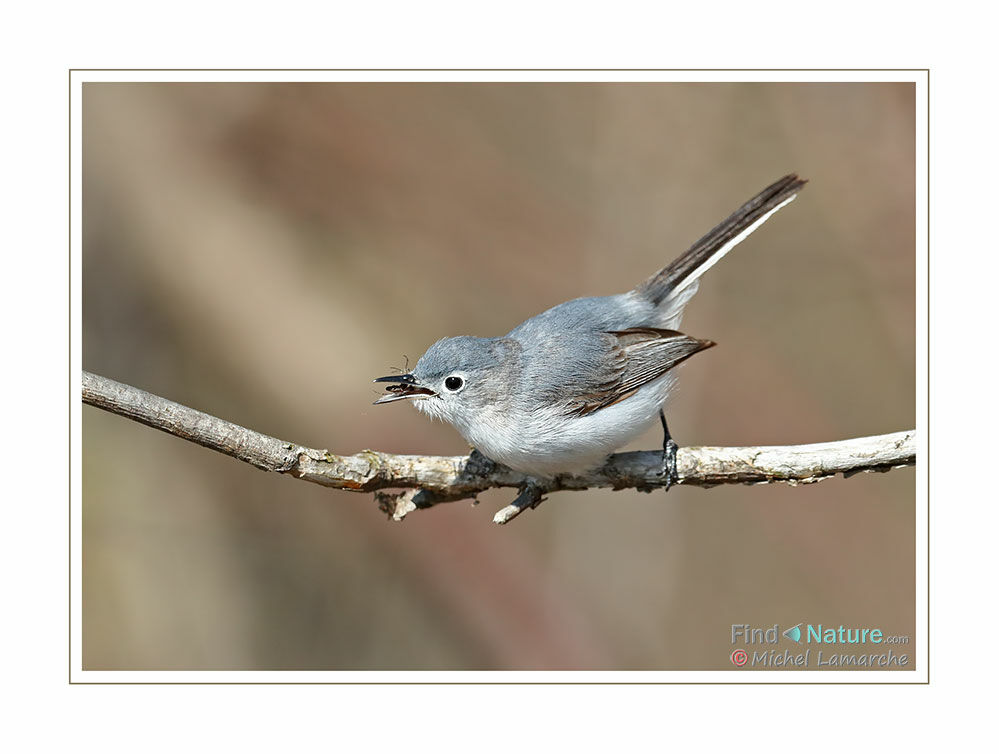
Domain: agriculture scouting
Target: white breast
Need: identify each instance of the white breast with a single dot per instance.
(548, 443)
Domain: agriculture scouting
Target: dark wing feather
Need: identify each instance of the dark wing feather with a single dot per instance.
(639, 355)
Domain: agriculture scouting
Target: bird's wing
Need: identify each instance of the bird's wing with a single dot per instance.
(638, 356)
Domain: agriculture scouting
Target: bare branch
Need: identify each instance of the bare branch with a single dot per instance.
(429, 480)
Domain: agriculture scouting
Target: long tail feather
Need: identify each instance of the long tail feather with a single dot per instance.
(671, 281)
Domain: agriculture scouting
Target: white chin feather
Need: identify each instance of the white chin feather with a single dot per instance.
(432, 407)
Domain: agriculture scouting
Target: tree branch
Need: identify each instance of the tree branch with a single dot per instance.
(429, 480)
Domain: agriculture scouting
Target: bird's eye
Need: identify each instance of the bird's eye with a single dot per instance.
(453, 383)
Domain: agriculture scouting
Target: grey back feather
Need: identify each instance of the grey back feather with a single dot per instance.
(590, 353)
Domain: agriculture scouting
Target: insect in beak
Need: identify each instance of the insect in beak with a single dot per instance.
(405, 386)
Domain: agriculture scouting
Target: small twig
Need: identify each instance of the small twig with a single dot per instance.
(530, 497)
(430, 480)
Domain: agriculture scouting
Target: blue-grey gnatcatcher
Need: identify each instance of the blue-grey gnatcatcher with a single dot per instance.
(565, 389)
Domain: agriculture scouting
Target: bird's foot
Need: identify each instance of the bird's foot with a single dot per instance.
(670, 448)
(669, 462)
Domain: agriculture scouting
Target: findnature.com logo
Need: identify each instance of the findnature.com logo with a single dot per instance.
(743, 633)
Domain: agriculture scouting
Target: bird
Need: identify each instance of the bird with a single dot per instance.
(564, 389)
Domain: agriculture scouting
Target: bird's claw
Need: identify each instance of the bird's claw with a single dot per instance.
(669, 472)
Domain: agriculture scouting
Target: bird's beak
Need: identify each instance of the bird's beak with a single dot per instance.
(404, 386)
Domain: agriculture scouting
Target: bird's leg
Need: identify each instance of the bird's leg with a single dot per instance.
(669, 454)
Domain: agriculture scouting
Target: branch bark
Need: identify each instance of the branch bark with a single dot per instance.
(429, 480)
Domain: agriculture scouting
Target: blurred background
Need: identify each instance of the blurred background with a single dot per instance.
(262, 251)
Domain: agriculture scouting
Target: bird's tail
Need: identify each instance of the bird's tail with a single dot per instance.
(673, 280)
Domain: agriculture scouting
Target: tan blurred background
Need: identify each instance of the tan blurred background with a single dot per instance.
(262, 251)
